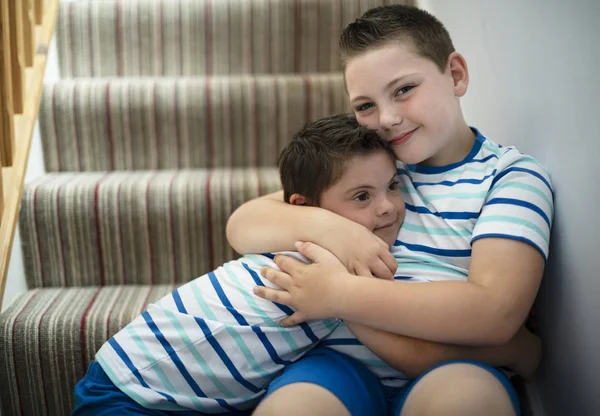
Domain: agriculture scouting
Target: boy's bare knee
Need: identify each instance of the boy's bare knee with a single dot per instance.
(300, 399)
(458, 389)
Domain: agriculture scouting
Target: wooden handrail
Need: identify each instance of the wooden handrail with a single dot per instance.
(26, 28)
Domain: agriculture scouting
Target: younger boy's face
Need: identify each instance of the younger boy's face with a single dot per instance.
(367, 193)
(409, 101)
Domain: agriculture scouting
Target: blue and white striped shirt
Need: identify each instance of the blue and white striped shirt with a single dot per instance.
(494, 192)
(211, 345)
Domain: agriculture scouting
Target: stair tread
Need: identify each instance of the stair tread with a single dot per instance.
(103, 228)
(49, 337)
(154, 123)
(183, 37)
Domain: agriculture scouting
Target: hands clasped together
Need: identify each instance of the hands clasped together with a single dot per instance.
(315, 290)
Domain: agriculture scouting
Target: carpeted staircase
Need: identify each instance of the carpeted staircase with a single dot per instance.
(168, 116)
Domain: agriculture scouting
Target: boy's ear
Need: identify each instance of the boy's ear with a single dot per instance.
(297, 199)
(458, 70)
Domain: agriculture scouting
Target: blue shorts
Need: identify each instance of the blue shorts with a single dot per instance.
(359, 389)
(349, 380)
(96, 395)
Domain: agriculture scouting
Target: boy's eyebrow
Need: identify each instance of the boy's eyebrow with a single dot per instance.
(394, 177)
(387, 86)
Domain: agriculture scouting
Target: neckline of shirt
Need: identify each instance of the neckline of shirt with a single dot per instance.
(479, 139)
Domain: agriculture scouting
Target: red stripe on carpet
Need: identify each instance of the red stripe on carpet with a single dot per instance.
(82, 327)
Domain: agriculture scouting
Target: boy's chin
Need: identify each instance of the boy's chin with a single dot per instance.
(389, 238)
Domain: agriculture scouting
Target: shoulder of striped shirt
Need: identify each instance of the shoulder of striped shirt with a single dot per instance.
(512, 154)
(512, 157)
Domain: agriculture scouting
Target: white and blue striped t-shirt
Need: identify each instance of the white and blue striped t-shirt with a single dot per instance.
(211, 345)
(495, 191)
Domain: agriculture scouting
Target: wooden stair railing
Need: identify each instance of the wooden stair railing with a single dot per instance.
(26, 28)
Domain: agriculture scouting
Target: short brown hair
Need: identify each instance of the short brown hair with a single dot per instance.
(381, 25)
(316, 157)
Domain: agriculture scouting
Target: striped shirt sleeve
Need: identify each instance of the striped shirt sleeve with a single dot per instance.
(519, 204)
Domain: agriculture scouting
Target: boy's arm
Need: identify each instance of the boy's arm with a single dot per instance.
(488, 309)
(268, 224)
(412, 356)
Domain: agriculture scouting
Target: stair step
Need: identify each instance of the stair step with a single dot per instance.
(173, 123)
(203, 37)
(107, 228)
(49, 336)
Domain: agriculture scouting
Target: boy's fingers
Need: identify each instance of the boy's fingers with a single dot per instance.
(296, 319)
(281, 279)
(390, 262)
(312, 251)
(360, 270)
(381, 271)
(287, 264)
(274, 295)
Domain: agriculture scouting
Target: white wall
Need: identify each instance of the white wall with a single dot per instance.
(535, 83)
(15, 283)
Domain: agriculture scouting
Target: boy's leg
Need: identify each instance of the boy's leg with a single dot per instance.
(323, 383)
(300, 399)
(459, 388)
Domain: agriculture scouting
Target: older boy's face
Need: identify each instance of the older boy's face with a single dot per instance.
(407, 100)
(367, 193)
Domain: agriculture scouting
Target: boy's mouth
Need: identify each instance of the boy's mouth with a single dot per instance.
(401, 138)
(385, 226)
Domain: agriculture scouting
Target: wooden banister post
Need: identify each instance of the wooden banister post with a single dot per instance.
(39, 11)
(7, 133)
(3, 136)
(28, 32)
(16, 53)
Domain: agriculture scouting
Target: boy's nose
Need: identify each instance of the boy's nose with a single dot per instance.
(385, 207)
(388, 117)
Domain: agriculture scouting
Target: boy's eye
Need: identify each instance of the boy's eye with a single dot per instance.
(363, 196)
(404, 90)
(394, 186)
(364, 107)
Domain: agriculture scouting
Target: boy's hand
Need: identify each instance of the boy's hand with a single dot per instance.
(361, 251)
(527, 353)
(311, 289)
